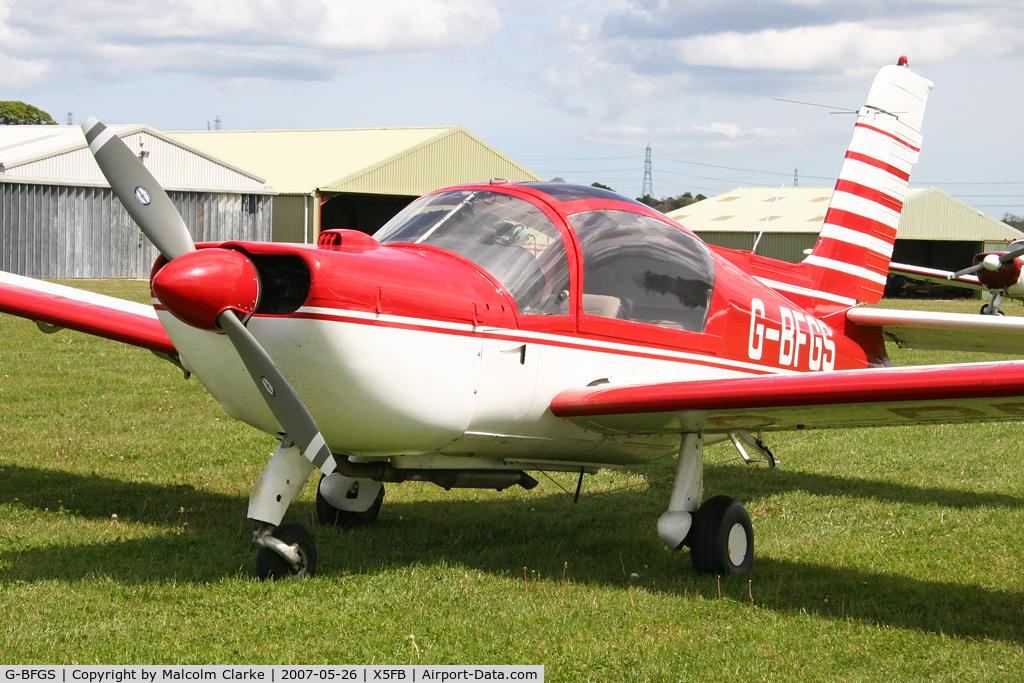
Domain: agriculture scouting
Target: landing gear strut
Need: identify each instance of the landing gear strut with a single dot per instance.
(992, 308)
(288, 550)
(719, 532)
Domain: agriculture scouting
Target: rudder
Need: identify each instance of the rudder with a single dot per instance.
(850, 261)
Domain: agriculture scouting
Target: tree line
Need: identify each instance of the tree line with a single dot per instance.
(665, 204)
(13, 113)
(1014, 221)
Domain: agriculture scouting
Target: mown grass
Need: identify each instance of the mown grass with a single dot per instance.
(882, 555)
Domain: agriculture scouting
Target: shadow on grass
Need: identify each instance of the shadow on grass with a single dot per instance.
(98, 497)
(599, 542)
(762, 483)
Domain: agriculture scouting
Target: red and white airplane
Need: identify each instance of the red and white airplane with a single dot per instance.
(1000, 273)
(498, 328)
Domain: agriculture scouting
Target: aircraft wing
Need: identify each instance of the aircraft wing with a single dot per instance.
(877, 397)
(948, 331)
(942, 277)
(76, 309)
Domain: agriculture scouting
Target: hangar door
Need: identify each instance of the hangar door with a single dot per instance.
(362, 212)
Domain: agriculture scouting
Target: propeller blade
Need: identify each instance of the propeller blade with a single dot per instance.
(139, 192)
(1012, 254)
(151, 208)
(282, 400)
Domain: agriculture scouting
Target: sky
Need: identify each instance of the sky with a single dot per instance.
(575, 90)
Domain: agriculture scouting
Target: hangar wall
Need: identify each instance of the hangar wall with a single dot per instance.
(784, 246)
(65, 232)
(289, 224)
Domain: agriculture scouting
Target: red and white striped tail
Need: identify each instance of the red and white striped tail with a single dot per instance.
(850, 260)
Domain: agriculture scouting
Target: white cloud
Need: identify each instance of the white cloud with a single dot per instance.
(234, 40)
(18, 73)
(838, 47)
(729, 130)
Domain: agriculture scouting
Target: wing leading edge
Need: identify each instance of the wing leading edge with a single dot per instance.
(878, 397)
(76, 309)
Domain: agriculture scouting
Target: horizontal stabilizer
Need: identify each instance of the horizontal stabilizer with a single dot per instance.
(946, 331)
(76, 309)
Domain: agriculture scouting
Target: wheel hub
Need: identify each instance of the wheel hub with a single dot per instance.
(737, 546)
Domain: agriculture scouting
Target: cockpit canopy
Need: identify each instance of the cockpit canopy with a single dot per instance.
(635, 267)
(638, 268)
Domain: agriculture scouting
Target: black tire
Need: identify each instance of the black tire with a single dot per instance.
(270, 565)
(722, 538)
(987, 310)
(328, 515)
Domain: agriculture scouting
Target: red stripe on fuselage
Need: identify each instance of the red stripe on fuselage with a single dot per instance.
(563, 342)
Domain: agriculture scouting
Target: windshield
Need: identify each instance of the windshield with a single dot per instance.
(508, 237)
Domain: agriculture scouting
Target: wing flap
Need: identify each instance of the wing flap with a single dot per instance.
(946, 331)
(876, 397)
(76, 309)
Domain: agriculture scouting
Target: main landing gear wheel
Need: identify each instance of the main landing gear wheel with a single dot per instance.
(270, 565)
(328, 515)
(722, 538)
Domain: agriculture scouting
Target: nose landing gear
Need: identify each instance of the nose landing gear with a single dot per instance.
(286, 552)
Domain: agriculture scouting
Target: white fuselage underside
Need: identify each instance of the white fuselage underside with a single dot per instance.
(386, 386)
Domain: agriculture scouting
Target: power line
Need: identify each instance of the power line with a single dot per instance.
(745, 170)
(831, 179)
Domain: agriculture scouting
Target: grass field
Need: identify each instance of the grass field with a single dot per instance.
(882, 555)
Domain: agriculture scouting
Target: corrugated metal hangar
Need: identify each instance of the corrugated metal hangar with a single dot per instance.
(354, 178)
(936, 230)
(59, 218)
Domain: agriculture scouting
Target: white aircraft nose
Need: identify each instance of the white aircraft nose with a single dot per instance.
(992, 262)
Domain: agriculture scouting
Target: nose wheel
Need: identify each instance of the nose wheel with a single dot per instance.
(287, 552)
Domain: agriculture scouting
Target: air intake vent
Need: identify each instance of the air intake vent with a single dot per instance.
(284, 283)
(345, 239)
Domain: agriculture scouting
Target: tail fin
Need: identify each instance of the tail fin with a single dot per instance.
(850, 261)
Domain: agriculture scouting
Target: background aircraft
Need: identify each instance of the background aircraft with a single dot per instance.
(995, 272)
(498, 328)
